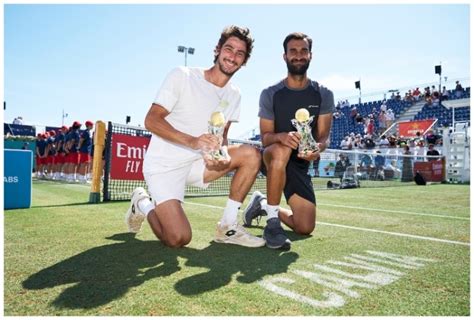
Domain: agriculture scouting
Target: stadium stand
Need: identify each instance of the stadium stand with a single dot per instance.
(345, 125)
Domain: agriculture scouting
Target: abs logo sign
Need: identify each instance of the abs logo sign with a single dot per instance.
(11, 179)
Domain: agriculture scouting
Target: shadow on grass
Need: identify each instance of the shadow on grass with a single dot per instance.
(101, 274)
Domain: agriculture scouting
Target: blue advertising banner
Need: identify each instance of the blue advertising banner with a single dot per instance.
(17, 178)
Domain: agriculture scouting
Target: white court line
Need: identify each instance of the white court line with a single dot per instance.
(361, 229)
(395, 211)
(396, 234)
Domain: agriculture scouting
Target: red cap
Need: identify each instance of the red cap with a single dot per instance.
(64, 128)
(76, 124)
(43, 136)
(89, 123)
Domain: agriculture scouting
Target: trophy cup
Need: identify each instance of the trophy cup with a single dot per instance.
(301, 123)
(216, 128)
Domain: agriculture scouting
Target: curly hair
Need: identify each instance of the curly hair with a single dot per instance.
(235, 31)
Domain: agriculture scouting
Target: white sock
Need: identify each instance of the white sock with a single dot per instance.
(146, 206)
(263, 204)
(230, 212)
(272, 211)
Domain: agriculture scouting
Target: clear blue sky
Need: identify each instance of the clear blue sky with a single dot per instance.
(108, 61)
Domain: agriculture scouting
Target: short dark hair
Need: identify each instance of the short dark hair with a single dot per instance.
(297, 36)
(239, 32)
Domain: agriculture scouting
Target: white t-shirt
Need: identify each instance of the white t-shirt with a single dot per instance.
(191, 100)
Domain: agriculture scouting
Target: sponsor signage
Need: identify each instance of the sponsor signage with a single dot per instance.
(410, 128)
(17, 178)
(128, 153)
(431, 170)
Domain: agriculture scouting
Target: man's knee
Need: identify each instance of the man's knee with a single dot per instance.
(178, 240)
(251, 156)
(304, 229)
(277, 156)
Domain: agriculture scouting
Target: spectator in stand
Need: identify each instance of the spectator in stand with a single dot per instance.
(408, 97)
(432, 152)
(419, 149)
(383, 106)
(417, 94)
(354, 114)
(374, 111)
(435, 98)
(338, 114)
(60, 155)
(389, 118)
(392, 141)
(18, 120)
(427, 93)
(398, 97)
(458, 90)
(418, 137)
(370, 127)
(382, 119)
(85, 145)
(50, 154)
(429, 102)
(369, 142)
(430, 137)
(40, 154)
(346, 143)
(72, 158)
(383, 143)
(444, 94)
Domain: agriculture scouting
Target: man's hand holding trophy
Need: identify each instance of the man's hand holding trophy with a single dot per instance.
(308, 149)
(216, 158)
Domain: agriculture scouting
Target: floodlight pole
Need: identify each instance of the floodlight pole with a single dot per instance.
(440, 71)
(64, 116)
(186, 50)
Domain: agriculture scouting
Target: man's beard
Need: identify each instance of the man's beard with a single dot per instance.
(297, 70)
(222, 68)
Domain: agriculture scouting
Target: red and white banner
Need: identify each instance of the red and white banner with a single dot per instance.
(430, 170)
(127, 156)
(410, 128)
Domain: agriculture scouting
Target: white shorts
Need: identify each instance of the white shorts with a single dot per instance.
(167, 183)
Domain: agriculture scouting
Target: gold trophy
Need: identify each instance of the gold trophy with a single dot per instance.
(301, 123)
(216, 128)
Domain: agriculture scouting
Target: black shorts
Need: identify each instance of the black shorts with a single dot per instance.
(297, 180)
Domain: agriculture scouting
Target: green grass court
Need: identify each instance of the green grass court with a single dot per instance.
(375, 251)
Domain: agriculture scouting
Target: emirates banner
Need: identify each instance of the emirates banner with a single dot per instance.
(410, 128)
(127, 156)
(430, 170)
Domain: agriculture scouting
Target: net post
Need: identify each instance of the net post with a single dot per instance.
(99, 143)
